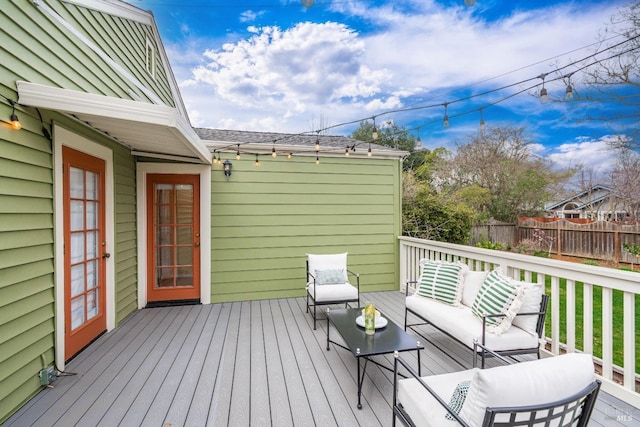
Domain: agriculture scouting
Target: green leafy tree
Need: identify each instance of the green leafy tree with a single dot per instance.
(393, 136)
(427, 215)
(501, 162)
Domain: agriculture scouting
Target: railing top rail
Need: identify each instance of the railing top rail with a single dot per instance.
(602, 276)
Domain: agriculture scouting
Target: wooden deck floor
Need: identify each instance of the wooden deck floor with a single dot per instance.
(254, 363)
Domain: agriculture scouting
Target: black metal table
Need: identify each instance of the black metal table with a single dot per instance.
(386, 340)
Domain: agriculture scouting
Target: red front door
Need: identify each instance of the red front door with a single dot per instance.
(84, 249)
(173, 237)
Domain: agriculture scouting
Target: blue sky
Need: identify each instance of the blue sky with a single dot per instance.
(270, 65)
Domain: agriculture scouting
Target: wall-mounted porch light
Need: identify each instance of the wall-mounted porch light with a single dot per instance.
(226, 167)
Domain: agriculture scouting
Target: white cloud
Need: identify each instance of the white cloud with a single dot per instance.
(596, 154)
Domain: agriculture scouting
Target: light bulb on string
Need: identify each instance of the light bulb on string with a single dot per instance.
(257, 162)
(483, 125)
(346, 151)
(317, 158)
(238, 153)
(445, 119)
(544, 96)
(273, 152)
(568, 94)
(369, 151)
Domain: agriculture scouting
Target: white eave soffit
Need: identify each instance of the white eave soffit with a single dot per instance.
(131, 122)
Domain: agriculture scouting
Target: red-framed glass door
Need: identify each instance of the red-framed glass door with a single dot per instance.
(85, 253)
(173, 237)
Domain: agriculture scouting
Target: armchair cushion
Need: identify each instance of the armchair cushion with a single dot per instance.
(330, 277)
(327, 262)
(498, 295)
(527, 383)
(340, 292)
(442, 281)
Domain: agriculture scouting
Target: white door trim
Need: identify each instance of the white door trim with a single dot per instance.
(204, 171)
(62, 136)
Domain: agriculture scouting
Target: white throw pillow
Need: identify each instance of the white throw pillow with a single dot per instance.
(472, 282)
(531, 304)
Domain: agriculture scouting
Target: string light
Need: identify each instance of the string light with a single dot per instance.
(238, 153)
(580, 64)
(369, 154)
(445, 119)
(318, 141)
(13, 118)
(273, 151)
(289, 156)
(544, 96)
(418, 140)
(257, 161)
(346, 151)
(317, 158)
(483, 125)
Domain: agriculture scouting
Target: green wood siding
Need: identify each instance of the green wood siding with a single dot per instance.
(26, 258)
(265, 220)
(31, 37)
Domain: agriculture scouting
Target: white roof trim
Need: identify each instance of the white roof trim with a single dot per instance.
(116, 8)
(121, 119)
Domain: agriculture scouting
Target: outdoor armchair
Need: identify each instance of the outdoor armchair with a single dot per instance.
(328, 282)
(557, 391)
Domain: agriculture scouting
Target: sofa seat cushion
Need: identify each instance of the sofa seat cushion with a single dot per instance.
(421, 406)
(461, 323)
(336, 292)
(527, 383)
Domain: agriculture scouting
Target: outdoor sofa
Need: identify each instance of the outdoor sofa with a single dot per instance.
(502, 314)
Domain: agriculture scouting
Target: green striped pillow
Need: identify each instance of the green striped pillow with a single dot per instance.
(441, 281)
(498, 295)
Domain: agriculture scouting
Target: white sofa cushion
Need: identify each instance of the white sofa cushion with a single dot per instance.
(441, 281)
(461, 323)
(530, 304)
(423, 408)
(472, 282)
(527, 383)
(498, 295)
(326, 293)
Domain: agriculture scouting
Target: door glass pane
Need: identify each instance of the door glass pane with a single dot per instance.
(185, 276)
(77, 280)
(165, 256)
(77, 312)
(77, 215)
(92, 186)
(184, 235)
(92, 274)
(76, 182)
(164, 214)
(92, 215)
(92, 304)
(164, 236)
(163, 193)
(185, 256)
(77, 247)
(184, 214)
(92, 244)
(164, 277)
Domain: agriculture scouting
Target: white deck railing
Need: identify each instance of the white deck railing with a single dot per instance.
(559, 276)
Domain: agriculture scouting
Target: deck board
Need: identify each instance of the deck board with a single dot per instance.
(257, 363)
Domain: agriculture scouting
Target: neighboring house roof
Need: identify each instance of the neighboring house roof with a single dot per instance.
(590, 196)
(259, 142)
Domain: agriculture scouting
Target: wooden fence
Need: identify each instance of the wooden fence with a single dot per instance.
(598, 240)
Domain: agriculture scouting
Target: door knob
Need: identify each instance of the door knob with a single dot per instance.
(106, 255)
